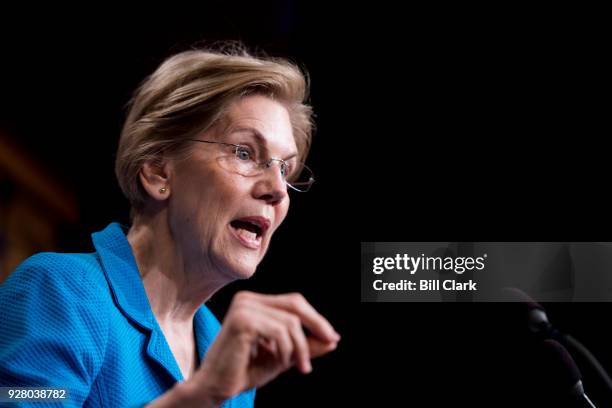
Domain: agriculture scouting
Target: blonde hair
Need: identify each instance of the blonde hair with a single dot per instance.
(190, 92)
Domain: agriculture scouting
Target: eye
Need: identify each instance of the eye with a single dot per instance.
(243, 153)
(284, 168)
(291, 166)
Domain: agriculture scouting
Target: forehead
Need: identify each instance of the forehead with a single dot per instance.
(260, 114)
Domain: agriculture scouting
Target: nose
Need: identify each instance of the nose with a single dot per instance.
(271, 185)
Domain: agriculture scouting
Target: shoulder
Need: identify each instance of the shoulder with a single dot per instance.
(83, 267)
(58, 275)
(55, 311)
(56, 297)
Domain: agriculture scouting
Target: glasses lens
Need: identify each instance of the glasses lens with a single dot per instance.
(240, 161)
(303, 180)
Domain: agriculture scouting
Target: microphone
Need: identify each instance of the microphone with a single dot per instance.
(564, 370)
(540, 326)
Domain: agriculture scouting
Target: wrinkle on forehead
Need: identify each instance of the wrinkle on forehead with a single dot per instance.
(263, 115)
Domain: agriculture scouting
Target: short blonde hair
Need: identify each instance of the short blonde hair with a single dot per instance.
(190, 92)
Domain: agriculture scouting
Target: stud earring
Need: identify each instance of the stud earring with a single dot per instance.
(163, 190)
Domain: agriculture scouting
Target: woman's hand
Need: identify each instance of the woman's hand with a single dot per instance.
(261, 337)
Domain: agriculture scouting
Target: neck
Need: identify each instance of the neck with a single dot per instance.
(175, 288)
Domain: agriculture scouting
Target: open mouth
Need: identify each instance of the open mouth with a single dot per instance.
(250, 230)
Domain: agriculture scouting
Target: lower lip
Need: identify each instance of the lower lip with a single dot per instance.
(251, 244)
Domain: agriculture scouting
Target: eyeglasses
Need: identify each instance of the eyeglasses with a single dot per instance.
(243, 162)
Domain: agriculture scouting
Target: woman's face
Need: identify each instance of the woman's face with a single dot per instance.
(221, 219)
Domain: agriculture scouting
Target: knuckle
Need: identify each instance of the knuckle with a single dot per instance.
(242, 299)
(294, 322)
(297, 299)
(278, 332)
(243, 295)
(241, 318)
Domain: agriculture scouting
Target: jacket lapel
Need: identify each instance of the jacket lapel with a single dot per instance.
(121, 271)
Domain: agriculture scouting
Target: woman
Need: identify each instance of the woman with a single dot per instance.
(211, 145)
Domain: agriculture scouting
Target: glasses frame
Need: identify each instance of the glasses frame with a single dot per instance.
(266, 164)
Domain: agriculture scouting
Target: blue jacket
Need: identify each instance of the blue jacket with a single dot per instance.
(83, 322)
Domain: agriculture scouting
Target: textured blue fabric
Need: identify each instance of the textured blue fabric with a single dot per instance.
(83, 322)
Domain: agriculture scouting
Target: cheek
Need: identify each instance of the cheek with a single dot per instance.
(220, 201)
(282, 211)
(196, 205)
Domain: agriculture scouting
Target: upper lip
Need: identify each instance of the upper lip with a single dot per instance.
(262, 222)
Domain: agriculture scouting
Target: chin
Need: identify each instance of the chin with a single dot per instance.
(243, 272)
(242, 266)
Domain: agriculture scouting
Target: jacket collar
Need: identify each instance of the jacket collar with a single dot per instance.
(120, 267)
(124, 279)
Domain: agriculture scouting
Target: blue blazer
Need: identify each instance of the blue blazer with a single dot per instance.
(83, 322)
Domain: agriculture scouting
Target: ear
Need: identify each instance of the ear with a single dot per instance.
(154, 177)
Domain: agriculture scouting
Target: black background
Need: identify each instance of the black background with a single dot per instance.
(448, 124)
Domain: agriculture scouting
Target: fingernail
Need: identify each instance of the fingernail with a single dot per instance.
(308, 367)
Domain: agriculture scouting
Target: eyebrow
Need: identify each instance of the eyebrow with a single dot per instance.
(260, 139)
